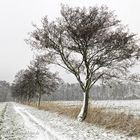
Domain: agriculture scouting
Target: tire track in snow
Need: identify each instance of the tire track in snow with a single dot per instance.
(35, 126)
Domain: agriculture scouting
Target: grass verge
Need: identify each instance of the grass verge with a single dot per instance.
(121, 122)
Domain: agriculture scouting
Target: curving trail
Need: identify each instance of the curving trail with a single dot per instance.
(36, 126)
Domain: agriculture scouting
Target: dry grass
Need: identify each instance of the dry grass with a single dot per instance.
(120, 122)
(71, 112)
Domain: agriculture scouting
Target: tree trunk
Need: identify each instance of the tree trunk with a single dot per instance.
(83, 113)
(39, 99)
(28, 100)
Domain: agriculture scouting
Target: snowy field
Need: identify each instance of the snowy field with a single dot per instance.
(128, 106)
(20, 122)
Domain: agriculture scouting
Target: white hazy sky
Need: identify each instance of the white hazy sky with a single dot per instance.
(16, 17)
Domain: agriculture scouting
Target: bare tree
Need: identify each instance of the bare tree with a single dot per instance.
(45, 81)
(90, 43)
(34, 81)
(18, 88)
(29, 85)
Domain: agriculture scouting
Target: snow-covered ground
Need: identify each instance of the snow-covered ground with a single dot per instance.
(20, 122)
(127, 106)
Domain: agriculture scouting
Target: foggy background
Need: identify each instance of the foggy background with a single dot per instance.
(16, 18)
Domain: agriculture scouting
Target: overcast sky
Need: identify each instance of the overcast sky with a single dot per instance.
(16, 17)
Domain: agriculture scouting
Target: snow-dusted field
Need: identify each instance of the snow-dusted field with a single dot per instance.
(127, 106)
(20, 122)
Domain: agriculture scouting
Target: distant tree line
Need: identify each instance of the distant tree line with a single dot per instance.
(66, 91)
(114, 91)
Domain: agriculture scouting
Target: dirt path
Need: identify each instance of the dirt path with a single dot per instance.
(36, 126)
